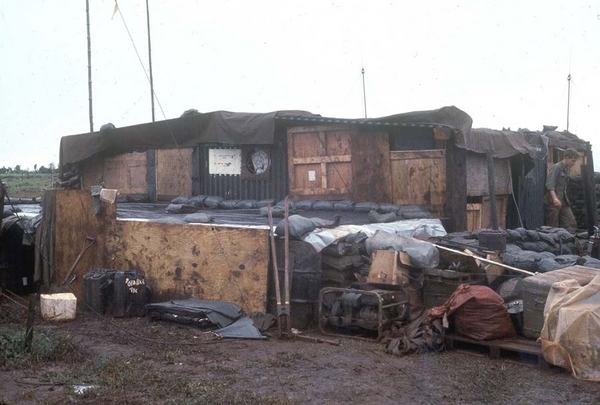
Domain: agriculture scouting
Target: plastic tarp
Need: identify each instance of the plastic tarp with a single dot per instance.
(227, 317)
(411, 228)
(571, 333)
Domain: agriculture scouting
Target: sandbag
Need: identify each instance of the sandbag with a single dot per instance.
(323, 205)
(180, 209)
(228, 204)
(343, 206)
(414, 212)
(212, 201)
(197, 201)
(386, 208)
(276, 212)
(246, 204)
(264, 203)
(199, 218)
(366, 207)
(479, 313)
(305, 205)
(182, 199)
(300, 226)
(376, 218)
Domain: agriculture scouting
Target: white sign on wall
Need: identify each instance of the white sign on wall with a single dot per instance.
(225, 161)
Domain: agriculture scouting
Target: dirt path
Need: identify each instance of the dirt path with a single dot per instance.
(129, 370)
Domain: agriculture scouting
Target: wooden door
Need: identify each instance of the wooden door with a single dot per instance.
(319, 162)
(419, 178)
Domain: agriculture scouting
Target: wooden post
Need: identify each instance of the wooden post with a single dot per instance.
(29, 328)
(456, 187)
(492, 187)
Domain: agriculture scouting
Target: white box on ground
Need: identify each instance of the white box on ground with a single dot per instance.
(58, 307)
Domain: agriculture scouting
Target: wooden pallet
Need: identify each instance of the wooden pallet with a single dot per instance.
(498, 347)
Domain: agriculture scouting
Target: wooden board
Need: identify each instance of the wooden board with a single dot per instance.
(319, 162)
(419, 178)
(474, 216)
(386, 269)
(126, 173)
(173, 172)
(371, 172)
(477, 175)
(501, 209)
(75, 220)
(188, 260)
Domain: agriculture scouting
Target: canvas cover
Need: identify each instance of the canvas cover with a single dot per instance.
(571, 333)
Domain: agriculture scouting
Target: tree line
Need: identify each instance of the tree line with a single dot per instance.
(18, 169)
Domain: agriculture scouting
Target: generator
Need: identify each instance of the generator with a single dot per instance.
(364, 310)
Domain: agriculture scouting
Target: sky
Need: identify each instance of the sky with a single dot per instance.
(505, 63)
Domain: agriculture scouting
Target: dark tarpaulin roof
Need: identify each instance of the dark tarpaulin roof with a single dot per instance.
(233, 128)
(506, 143)
(214, 127)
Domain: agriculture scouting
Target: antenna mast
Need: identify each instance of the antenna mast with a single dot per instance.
(568, 99)
(89, 48)
(362, 71)
(150, 60)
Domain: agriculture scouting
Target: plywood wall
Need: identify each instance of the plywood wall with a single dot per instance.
(419, 178)
(202, 261)
(173, 172)
(319, 162)
(125, 172)
(371, 172)
(75, 220)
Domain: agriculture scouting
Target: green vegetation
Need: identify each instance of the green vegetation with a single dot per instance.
(27, 184)
(44, 347)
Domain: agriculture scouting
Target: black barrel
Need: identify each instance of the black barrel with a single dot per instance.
(129, 294)
(96, 289)
(305, 282)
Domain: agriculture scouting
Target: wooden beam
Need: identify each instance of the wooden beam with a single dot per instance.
(322, 159)
(417, 154)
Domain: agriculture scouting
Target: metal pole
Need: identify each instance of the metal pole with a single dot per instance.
(364, 91)
(89, 47)
(568, 100)
(150, 60)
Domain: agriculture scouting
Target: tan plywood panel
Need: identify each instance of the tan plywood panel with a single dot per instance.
(201, 261)
(92, 172)
(75, 220)
(371, 172)
(174, 172)
(126, 173)
(419, 178)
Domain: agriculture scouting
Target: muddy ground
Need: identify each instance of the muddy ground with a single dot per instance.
(125, 367)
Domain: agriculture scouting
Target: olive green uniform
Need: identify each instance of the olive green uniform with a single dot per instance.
(558, 180)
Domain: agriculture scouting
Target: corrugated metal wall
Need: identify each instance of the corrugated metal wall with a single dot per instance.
(234, 187)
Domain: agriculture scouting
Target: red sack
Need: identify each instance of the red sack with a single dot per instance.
(479, 313)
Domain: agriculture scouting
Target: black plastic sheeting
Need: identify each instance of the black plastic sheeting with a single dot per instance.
(225, 318)
(156, 212)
